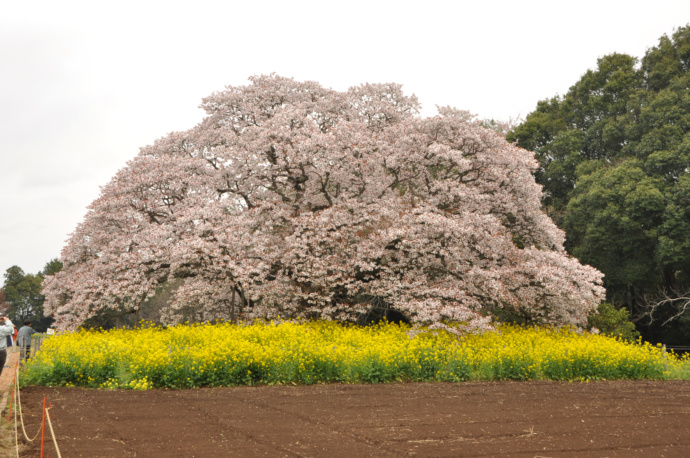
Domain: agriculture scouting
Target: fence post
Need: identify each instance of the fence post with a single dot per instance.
(43, 425)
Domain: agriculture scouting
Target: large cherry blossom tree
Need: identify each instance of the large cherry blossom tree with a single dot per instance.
(292, 200)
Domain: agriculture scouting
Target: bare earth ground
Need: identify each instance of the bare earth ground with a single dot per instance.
(8, 372)
(612, 418)
(7, 438)
(7, 377)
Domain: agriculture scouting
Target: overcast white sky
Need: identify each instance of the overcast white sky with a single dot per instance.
(85, 84)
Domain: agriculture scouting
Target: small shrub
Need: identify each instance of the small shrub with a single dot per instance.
(614, 322)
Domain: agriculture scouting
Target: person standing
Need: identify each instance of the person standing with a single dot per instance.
(24, 339)
(10, 340)
(6, 329)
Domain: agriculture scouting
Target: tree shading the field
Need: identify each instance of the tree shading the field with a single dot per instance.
(293, 200)
(614, 156)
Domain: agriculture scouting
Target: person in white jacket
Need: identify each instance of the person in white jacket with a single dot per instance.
(6, 329)
(10, 341)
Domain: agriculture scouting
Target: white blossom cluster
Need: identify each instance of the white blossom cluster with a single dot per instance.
(293, 200)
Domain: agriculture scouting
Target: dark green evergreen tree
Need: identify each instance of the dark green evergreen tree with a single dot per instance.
(614, 156)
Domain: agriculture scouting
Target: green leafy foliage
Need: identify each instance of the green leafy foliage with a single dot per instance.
(612, 220)
(52, 267)
(614, 156)
(614, 322)
(23, 295)
(326, 352)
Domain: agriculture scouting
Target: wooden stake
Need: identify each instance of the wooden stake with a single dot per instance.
(43, 425)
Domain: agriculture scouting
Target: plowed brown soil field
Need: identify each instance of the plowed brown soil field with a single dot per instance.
(607, 418)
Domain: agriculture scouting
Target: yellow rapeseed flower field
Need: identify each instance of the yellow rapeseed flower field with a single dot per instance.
(324, 352)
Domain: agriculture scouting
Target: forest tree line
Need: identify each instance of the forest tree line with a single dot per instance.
(614, 155)
(21, 298)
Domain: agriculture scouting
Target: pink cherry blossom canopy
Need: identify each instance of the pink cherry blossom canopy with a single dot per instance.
(293, 200)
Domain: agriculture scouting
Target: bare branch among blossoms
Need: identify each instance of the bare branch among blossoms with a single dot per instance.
(293, 200)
